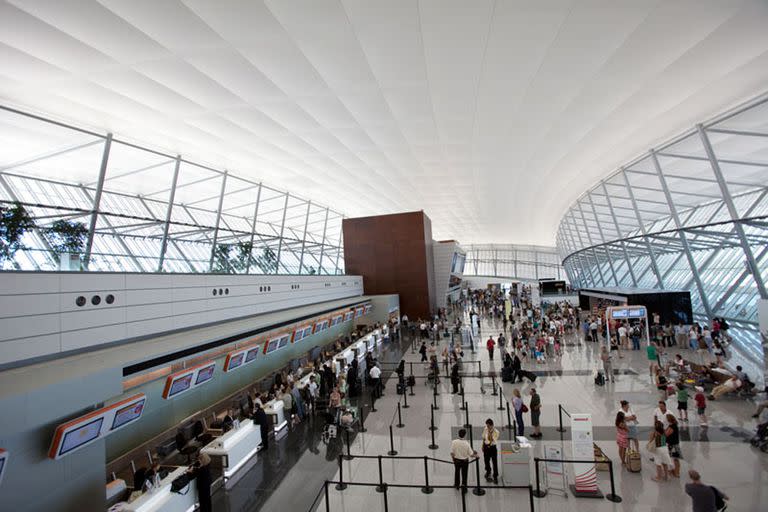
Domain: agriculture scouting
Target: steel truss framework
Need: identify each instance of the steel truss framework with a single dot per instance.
(153, 212)
(529, 262)
(691, 214)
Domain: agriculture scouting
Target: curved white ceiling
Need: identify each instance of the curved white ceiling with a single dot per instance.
(490, 115)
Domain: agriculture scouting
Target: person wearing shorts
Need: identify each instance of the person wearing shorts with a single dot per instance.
(535, 413)
(630, 418)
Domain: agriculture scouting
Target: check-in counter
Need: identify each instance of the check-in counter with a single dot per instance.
(360, 349)
(274, 408)
(304, 381)
(162, 499)
(237, 447)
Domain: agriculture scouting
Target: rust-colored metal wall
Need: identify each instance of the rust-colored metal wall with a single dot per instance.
(393, 254)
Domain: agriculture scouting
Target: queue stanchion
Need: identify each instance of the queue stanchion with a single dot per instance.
(386, 499)
(432, 417)
(466, 416)
(560, 418)
(480, 369)
(509, 418)
(612, 496)
(362, 419)
(477, 491)
(327, 501)
(493, 383)
(392, 450)
(399, 417)
(382, 485)
(348, 456)
(426, 489)
(405, 399)
(538, 492)
(461, 392)
(501, 402)
(413, 381)
(434, 401)
(341, 485)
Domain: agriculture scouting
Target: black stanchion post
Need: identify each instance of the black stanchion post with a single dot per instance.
(432, 417)
(412, 382)
(348, 456)
(327, 501)
(530, 497)
(434, 402)
(392, 450)
(480, 369)
(466, 416)
(362, 419)
(612, 496)
(509, 418)
(501, 401)
(341, 485)
(386, 499)
(538, 492)
(560, 418)
(405, 399)
(426, 489)
(477, 491)
(461, 392)
(399, 417)
(433, 446)
(380, 487)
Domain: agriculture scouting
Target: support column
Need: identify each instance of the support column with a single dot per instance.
(304, 238)
(754, 269)
(218, 220)
(651, 252)
(253, 229)
(168, 213)
(282, 231)
(322, 246)
(97, 200)
(682, 235)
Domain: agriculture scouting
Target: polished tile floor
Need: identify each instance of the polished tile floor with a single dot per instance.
(721, 452)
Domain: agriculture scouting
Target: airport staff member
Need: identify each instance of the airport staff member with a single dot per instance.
(260, 418)
(461, 453)
(490, 451)
(201, 471)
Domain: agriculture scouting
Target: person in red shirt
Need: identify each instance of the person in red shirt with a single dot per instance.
(490, 344)
(701, 405)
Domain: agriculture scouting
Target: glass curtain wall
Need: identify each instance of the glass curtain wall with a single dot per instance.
(112, 206)
(691, 215)
(527, 262)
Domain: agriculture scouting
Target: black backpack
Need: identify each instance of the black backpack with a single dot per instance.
(719, 499)
(600, 379)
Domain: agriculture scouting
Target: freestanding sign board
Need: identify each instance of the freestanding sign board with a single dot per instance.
(582, 445)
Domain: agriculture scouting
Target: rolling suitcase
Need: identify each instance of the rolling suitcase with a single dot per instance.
(528, 375)
(633, 461)
(600, 379)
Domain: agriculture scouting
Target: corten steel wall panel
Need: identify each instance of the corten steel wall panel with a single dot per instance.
(390, 252)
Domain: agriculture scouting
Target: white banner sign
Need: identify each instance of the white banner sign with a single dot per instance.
(582, 444)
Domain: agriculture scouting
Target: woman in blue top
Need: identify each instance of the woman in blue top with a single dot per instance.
(518, 404)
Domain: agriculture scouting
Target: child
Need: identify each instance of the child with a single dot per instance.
(701, 405)
(682, 402)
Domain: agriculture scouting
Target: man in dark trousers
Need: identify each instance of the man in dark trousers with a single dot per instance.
(490, 451)
(517, 367)
(260, 419)
(455, 379)
(461, 454)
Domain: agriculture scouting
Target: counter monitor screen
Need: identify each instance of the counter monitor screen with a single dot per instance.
(251, 355)
(235, 361)
(181, 384)
(128, 414)
(205, 374)
(80, 436)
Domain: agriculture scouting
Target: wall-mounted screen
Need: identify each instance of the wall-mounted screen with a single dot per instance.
(3, 460)
(367, 308)
(301, 333)
(81, 436)
(272, 345)
(205, 374)
(283, 341)
(251, 354)
(336, 320)
(128, 414)
(321, 325)
(349, 315)
(180, 385)
(234, 361)
(637, 313)
(359, 312)
(619, 313)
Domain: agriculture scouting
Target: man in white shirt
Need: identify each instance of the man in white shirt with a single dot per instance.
(660, 414)
(490, 451)
(375, 375)
(623, 339)
(631, 419)
(461, 453)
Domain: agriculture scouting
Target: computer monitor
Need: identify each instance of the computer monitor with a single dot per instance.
(205, 374)
(234, 360)
(251, 354)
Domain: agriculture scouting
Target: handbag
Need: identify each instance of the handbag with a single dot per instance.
(651, 446)
(180, 482)
(524, 408)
